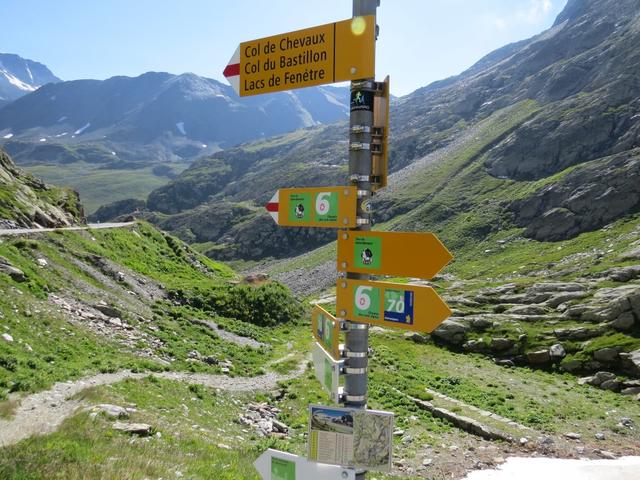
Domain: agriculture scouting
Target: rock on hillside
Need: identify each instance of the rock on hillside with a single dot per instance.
(27, 202)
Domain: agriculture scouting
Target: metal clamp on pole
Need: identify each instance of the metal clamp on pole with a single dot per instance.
(350, 354)
(364, 85)
(354, 371)
(355, 178)
(359, 146)
(354, 398)
(358, 129)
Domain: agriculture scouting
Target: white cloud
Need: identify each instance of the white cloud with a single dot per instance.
(536, 11)
(533, 12)
(500, 23)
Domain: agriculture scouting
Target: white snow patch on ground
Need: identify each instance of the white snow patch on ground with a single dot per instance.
(180, 126)
(62, 134)
(113, 153)
(16, 82)
(204, 145)
(79, 131)
(62, 119)
(43, 139)
(8, 136)
(625, 468)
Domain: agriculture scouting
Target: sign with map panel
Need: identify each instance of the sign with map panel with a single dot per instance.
(351, 437)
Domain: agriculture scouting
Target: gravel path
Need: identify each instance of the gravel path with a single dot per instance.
(94, 226)
(230, 336)
(44, 412)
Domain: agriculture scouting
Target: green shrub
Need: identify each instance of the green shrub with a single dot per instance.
(265, 305)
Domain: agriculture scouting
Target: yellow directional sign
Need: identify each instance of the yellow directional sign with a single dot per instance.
(406, 254)
(328, 207)
(408, 307)
(336, 52)
(326, 330)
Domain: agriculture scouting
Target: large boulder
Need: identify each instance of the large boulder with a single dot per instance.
(607, 355)
(452, 332)
(8, 269)
(539, 357)
(557, 351)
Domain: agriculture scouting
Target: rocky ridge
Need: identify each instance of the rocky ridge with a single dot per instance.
(26, 201)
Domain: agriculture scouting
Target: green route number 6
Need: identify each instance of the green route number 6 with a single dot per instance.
(363, 300)
(323, 205)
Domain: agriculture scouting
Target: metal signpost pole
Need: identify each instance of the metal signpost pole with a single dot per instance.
(360, 171)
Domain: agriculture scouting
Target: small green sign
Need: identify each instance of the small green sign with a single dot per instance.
(367, 302)
(328, 333)
(300, 207)
(282, 469)
(367, 252)
(326, 204)
(328, 375)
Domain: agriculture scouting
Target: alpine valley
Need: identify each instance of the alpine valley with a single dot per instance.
(126, 136)
(171, 338)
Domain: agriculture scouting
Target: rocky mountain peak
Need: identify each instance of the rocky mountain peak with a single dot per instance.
(578, 11)
(19, 76)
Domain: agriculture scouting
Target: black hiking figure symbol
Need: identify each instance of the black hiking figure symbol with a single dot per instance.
(367, 256)
(299, 211)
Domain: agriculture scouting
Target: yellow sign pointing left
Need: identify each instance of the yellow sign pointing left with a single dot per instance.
(335, 52)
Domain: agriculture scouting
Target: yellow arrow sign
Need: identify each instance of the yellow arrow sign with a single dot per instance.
(407, 254)
(326, 330)
(335, 52)
(328, 207)
(408, 307)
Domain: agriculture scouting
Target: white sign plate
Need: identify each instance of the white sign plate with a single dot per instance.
(327, 372)
(275, 465)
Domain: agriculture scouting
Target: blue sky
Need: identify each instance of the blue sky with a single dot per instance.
(420, 40)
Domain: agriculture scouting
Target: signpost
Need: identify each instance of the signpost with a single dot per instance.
(326, 330)
(351, 437)
(324, 207)
(335, 52)
(327, 372)
(275, 465)
(397, 305)
(409, 254)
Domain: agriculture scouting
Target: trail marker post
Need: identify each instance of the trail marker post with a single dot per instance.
(341, 445)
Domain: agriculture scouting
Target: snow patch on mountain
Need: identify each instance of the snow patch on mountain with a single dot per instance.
(16, 82)
(81, 130)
